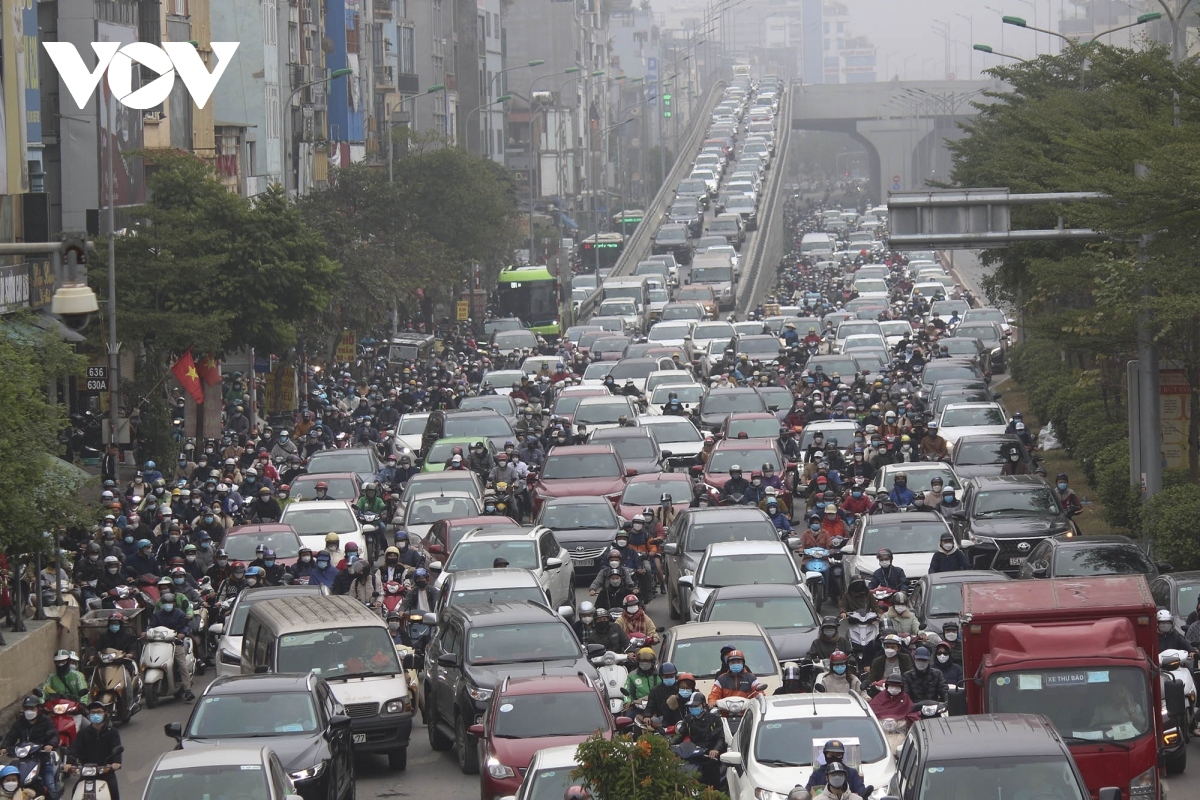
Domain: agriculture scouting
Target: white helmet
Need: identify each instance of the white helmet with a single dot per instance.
(1164, 615)
(586, 609)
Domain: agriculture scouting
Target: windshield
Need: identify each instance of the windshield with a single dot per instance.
(648, 493)
(768, 612)
(978, 454)
(675, 432)
(621, 307)
(411, 425)
(630, 448)
(483, 426)
(1002, 779)
(494, 402)
(738, 203)
(499, 379)
(687, 393)
(1074, 562)
(870, 286)
(233, 716)
(748, 569)
(754, 428)
(659, 295)
(1040, 500)
(725, 458)
(549, 784)
(428, 510)
(342, 461)
(758, 346)
(702, 294)
(733, 402)
(603, 412)
(566, 404)
(905, 537)
(578, 516)
(984, 332)
(440, 452)
(919, 480)
(672, 233)
(776, 744)
(245, 780)
(712, 275)
(513, 340)
(434, 482)
(562, 714)
(241, 546)
(340, 653)
(897, 328)
(702, 657)
(935, 373)
(309, 521)
(723, 226)
(855, 328)
(667, 331)
(683, 311)
(507, 594)
(1092, 705)
(534, 301)
(713, 330)
(972, 417)
(339, 488)
(638, 370)
(842, 365)
(610, 344)
(576, 467)
(482, 554)
(540, 641)
(703, 535)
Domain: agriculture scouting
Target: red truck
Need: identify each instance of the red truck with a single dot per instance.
(1083, 652)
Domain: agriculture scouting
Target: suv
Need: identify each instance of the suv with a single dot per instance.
(479, 646)
(534, 549)
(1014, 755)
(1004, 517)
(673, 239)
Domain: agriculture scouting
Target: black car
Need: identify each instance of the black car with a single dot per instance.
(479, 646)
(985, 454)
(695, 529)
(687, 211)
(1071, 556)
(1005, 517)
(585, 527)
(1178, 592)
(784, 611)
(636, 446)
(297, 716)
(674, 239)
(717, 404)
(937, 598)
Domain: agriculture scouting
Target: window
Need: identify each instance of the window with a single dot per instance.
(406, 56)
(481, 25)
(293, 43)
(353, 35)
(402, 8)
(270, 23)
(377, 45)
(272, 122)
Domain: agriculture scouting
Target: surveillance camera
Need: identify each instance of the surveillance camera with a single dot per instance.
(75, 304)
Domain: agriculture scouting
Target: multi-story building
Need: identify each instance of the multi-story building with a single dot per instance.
(830, 51)
(489, 29)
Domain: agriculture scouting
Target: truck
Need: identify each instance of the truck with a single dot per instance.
(1084, 653)
(716, 270)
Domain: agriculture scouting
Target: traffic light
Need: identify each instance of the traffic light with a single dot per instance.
(666, 98)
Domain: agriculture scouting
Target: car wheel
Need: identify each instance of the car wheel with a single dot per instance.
(465, 747)
(438, 741)
(398, 759)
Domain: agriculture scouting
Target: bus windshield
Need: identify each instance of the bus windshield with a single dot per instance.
(536, 302)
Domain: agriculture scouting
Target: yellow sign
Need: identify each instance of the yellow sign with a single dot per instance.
(771, 310)
(280, 390)
(1174, 393)
(347, 348)
(464, 310)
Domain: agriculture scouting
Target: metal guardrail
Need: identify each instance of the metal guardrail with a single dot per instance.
(638, 244)
(768, 244)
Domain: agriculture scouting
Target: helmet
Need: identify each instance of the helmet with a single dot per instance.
(893, 639)
(883, 553)
(894, 677)
(369, 487)
(685, 676)
(1163, 616)
(838, 657)
(9, 770)
(351, 547)
(111, 560)
(835, 767)
(667, 668)
(166, 598)
(116, 617)
(645, 653)
(631, 600)
(331, 537)
(254, 572)
(391, 551)
(322, 485)
(738, 654)
(32, 700)
(143, 543)
(791, 671)
(834, 746)
(899, 598)
(586, 609)
(61, 657)
(421, 572)
(268, 553)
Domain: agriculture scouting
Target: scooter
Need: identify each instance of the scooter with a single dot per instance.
(65, 713)
(883, 596)
(863, 632)
(613, 674)
(815, 571)
(158, 664)
(393, 595)
(31, 763)
(91, 785)
(732, 709)
(116, 684)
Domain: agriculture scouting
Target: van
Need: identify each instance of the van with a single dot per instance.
(814, 243)
(349, 646)
(409, 347)
(636, 289)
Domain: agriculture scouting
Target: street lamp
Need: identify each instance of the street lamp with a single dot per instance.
(983, 48)
(284, 139)
(1020, 22)
(537, 62)
(437, 87)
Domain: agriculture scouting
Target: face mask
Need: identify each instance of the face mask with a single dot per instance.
(948, 498)
(112, 570)
(1062, 487)
(900, 609)
(756, 482)
(251, 581)
(96, 719)
(645, 666)
(174, 539)
(614, 564)
(30, 714)
(893, 690)
(890, 652)
(622, 542)
(840, 669)
(943, 658)
(736, 668)
(695, 711)
(10, 787)
(128, 540)
(837, 781)
(668, 681)
(305, 559)
(876, 442)
(178, 581)
(615, 580)
(814, 526)
(322, 563)
(114, 628)
(856, 495)
(631, 609)
(270, 562)
(1014, 457)
(950, 636)
(684, 694)
(587, 620)
(921, 665)
(885, 564)
(393, 626)
(208, 520)
(190, 558)
(168, 607)
(1163, 627)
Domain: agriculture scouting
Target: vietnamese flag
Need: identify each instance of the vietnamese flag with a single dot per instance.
(185, 372)
(210, 372)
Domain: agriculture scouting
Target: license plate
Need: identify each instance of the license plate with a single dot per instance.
(585, 562)
(359, 738)
(1016, 562)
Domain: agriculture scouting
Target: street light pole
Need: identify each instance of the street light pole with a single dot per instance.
(114, 347)
(537, 62)
(983, 48)
(971, 52)
(284, 139)
(534, 167)
(437, 87)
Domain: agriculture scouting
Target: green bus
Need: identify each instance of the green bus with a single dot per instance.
(533, 295)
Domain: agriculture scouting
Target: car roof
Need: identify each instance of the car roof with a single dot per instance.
(227, 755)
(997, 735)
(488, 614)
(579, 501)
(315, 505)
(512, 534)
(324, 476)
(608, 434)
(711, 630)
(968, 576)
(979, 404)
(547, 684)
(494, 521)
(261, 682)
(813, 705)
(733, 513)
(745, 444)
(555, 757)
(1001, 482)
(261, 527)
(1071, 540)
(491, 578)
(747, 548)
(745, 590)
(582, 449)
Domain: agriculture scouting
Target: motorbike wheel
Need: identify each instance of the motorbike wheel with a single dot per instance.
(1177, 763)
(672, 611)
(151, 691)
(815, 588)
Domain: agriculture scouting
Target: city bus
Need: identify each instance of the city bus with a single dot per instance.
(601, 251)
(531, 294)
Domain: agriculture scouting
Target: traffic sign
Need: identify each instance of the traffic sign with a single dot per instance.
(347, 348)
(96, 380)
(463, 311)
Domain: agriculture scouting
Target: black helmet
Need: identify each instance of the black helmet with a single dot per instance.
(883, 553)
(834, 747)
(31, 701)
(167, 598)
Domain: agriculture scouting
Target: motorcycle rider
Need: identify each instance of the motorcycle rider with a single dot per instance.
(857, 597)
(892, 658)
(887, 575)
(585, 624)
(364, 584)
(324, 572)
(634, 619)
(233, 585)
(66, 680)
(782, 524)
(663, 702)
(736, 681)
(270, 570)
(951, 671)
(167, 615)
(1066, 495)
(1169, 637)
(736, 487)
(834, 752)
(703, 727)
(305, 564)
(894, 703)
(902, 618)
(613, 582)
(479, 460)
(608, 633)
(900, 494)
(111, 578)
(949, 556)
(924, 681)
(143, 561)
(34, 726)
(949, 503)
(422, 596)
(838, 678)
(392, 569)
(933, 447)
(372, 503)
(99, 743)
(829, 641)
(410, 557)
(674, 408)
(643, 679)
(791, 680)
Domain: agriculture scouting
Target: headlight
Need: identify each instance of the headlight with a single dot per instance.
(399, 706)
(479, 695)
(982, 539)
(310, 773)
(767, 794)
(498, 770)
(1143, 785)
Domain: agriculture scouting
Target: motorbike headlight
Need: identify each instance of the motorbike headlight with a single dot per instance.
(88, 771)
(398, 706)
(314, 771)
(478, 694)
(498, 770)
(1144, 784)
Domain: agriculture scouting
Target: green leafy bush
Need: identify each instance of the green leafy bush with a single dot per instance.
(1172, 521)
(643, 769)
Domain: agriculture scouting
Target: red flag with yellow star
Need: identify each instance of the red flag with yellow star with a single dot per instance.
(210, 373)
(185, 372)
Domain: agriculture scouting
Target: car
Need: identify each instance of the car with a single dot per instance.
(739, 564)
(229, 632)
(677, 434)
(1004, 517)
(589, 470)
(994, 340)
(531, 713)
(958, 395)
(441, 451)
(444, 534)
(990, 315)
(232, 770)
(425, 509)
(664, 377)
(784, 611)
(493, 585)
(610, 348)
(920, 474)
(598, 413)
(636, 446)
(966, 347)
(743, 205)
(242, 541)
(700, 293)
(720, 403)
(646, 491)
(748, 454)
(315, 519)
(477, 648)
(694, 530)
(967, 419)
(412, 427)
(982, 455)
(1069, 556)
(688, 309)
(584, 526)
(688, 395)
(780, 739)
(548, 776)
(674, 240)
(498, 380)
(936, 598)
(473, 425)
(297, 716)
(450, 480)
(895, 331)
(502, 404)
(362, 460)
(637, 370)
(863, 341)
(696, 648)
(750, 425)
(340, 486)
(730, 227)
(535, 549)
(514, 341)
(1179, 593)
(941, 369)
(912, 537)
(568, 399)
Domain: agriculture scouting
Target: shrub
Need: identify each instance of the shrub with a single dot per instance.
(641, 769)
(1122, 503)
(1172, 521)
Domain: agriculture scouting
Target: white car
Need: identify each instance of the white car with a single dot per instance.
(425, 509)
(913, 538)
(534, 549)
(313, 520)
(676, 434)
(786, 735)
(662, 377)
(549, 774)
(688, 395)
(671, 334)
(410, 431)
(863, 341)
(737, 564)
(594, 373)
(706, 333)
(870, 288)
(965, 419)
(501, 381)
(598, 413)
(919, 475)
(896, 331)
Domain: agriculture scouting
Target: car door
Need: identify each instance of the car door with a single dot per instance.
(551, 578)
(916, 599)
(341, 753)
(280, 784)
(446, 678)
(741, 744)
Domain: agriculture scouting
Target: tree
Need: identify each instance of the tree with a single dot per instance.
(41, 497)
(636, 769)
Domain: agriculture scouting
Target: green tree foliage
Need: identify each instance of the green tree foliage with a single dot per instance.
(40, 497)
(636, 769)
(1172, 518)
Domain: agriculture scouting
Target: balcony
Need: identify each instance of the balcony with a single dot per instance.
(385, 77)
(409, 83)
(382, 8)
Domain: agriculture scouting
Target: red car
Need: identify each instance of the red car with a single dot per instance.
(585, 470)
(647, 490)
(241, 542)
(444, 534)
(749, 454)
(529, 714)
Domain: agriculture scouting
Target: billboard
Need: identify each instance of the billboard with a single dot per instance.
(120, 133)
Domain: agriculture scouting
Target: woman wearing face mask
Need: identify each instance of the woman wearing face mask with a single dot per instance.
(635, 620)
(892, 658)
(838, 679)
(668, 701)
(1014, 464)
(902, 618)
(31, 725)
(835, 785)
(893, 703)
(942, 659)
(99, 744)
(324, 571)
(949, 556)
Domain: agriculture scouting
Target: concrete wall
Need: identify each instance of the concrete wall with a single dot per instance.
(28, 658)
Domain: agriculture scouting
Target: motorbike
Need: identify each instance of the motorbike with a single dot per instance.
(393, 595)
(31, 765)
(371, 524)
(837, 573)
(883, 596)
(116, 684)
(863, 632)
(816, 570)
(125, 597)
(613, 673)
(65, 713)
(732, 709)
(506, 500)
(1179, 687)
(91, 785)
(158, 664)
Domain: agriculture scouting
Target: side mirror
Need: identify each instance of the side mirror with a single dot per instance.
(448, 660)
(594, 650)
(686, 580)
(566, 611)
(437, 549)
(697, 469)
(429, 619)
(793, 542)
(339, 721)
(261, 669)
(630, 472)
(667, 454)
(996, 395)
(553, 563)
(1164, 567)
(475, 730)
(622, 723)
(671, 548)
(218, 629)
(956, 702)
(731, 758)
(1173, 698)
(959, 513)
(174, 730)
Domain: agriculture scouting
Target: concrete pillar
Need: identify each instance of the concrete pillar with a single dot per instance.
(894, 141)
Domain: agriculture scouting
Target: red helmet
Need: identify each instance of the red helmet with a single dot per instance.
(631, 600)
(323, 485)
(738, 654)
(352, 547)
(838, 657)
(177, 561)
